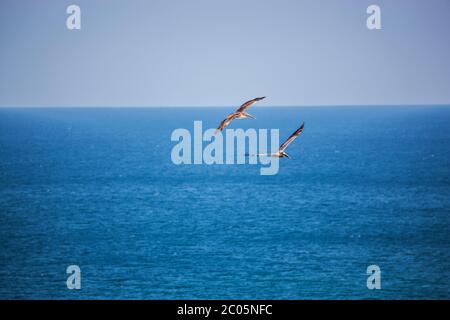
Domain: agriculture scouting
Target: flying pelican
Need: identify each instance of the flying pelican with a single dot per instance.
(238, 114)
(281, 153)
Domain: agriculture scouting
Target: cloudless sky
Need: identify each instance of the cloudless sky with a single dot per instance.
(221, 52)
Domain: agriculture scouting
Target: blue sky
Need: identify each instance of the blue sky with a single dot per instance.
(217, 53)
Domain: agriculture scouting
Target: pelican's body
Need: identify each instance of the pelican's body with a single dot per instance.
(279, 154)
(244, 115)
(238, 114)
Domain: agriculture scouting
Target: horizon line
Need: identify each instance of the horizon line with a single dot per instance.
(228, 106)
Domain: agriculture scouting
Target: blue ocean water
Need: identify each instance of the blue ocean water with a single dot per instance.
(96, 188)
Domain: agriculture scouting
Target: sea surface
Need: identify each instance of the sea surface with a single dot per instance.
(96, 187)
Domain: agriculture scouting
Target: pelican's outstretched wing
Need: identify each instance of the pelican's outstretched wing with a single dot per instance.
(248, 104)
(292, 137)
(225, 122)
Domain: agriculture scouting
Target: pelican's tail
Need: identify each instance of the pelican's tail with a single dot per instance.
(258, 155)
(255, 154)
(248, 115)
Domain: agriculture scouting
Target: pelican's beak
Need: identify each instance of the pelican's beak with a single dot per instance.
(250, 116)
(287, 156)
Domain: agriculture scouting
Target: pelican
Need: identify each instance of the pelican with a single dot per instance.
(281, 153)
(238, 114)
